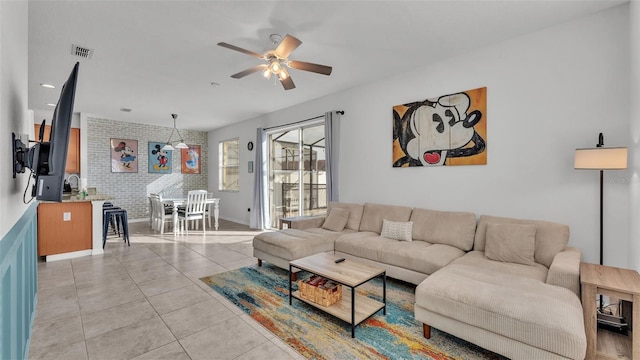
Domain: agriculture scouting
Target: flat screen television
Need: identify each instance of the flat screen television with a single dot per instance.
(48, 160)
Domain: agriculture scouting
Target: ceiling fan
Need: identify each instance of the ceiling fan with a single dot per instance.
(277, 60)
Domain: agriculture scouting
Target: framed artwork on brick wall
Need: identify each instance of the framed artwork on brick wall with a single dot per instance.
(190, 159)
(124, 155)
(159, 160)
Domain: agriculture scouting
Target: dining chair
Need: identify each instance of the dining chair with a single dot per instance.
(209, 210)
(160, 213)
(194, 209)
(151, 210)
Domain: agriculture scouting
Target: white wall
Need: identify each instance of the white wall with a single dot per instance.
(549, 92)
(14, 116)
(634, 140)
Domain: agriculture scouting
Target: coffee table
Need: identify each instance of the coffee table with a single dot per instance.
(352, 308)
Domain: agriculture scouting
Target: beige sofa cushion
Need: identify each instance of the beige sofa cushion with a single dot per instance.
(526, 310)
(514, 243)
(374, 214)
(364, 244)
(355, 213)
(419, 256)
(551, 238)
(336, 220)
(478, 259)
(444, 227)
(291, 244)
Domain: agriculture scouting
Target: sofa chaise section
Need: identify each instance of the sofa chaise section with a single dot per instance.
(518, 309)
(305, 237)
(518, 317)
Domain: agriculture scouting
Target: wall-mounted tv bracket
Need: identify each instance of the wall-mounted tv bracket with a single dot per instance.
(22, 159)
(20, 154)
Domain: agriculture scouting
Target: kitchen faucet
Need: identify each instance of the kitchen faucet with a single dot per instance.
(77, 180)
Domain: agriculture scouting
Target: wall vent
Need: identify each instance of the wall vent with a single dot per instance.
(81, 51)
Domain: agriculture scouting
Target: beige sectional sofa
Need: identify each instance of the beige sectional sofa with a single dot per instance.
(508, 285)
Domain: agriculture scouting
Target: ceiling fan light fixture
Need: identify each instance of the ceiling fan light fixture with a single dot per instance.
(275, 66)
(275, 61)
(283, 74)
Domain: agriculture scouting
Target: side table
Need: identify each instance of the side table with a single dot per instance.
(623, 284)
(287, 221)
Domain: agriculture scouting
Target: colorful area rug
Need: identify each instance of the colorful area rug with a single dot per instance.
(263, 293)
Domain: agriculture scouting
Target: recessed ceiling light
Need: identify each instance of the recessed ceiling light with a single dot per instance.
(51, 104)
(48, 86)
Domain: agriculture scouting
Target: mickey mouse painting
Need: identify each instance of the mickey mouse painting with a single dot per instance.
(448, 130)
(163, 160)
(159, 159)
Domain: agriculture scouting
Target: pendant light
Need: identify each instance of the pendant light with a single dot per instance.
(180, 144)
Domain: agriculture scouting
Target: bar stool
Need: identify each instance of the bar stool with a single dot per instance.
(113, 220)
(119, 216)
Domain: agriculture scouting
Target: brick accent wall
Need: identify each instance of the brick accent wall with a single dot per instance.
(130, 190)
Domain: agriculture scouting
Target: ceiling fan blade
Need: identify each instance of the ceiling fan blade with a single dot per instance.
(244, 51)
(286, 47)
(307, 66)
(249, 71)
(287, 83)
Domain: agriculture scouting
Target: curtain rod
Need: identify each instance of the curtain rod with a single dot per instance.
(301, 121)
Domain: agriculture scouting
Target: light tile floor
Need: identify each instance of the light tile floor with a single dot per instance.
(146, 301)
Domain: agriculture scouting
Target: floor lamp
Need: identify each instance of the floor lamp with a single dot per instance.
(601, 158)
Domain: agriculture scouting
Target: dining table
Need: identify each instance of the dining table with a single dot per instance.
(175, 202)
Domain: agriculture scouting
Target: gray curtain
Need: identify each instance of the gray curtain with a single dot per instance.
(260, 211)
(332, 141)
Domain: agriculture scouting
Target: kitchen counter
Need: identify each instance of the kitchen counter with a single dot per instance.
(70, 228)
(78, 198)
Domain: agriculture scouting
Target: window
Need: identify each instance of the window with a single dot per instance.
(229, 162)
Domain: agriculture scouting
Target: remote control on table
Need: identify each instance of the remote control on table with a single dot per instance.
(339, 260)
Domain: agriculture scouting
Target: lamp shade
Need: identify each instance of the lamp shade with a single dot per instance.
(168, 147)
(601, 158)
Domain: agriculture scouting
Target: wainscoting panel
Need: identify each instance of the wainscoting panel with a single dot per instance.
(19, 276)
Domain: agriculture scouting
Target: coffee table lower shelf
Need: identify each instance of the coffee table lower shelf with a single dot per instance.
(365, 307)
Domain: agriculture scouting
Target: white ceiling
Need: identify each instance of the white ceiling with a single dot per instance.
(160, 57)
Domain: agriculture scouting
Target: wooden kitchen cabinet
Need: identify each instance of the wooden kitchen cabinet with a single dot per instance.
(64, 227)
(73, 154)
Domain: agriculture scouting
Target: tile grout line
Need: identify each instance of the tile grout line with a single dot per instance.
(75, 286)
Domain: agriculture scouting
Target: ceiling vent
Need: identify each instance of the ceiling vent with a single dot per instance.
(82, 52)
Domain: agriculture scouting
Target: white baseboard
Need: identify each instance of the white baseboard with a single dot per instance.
(69, 255)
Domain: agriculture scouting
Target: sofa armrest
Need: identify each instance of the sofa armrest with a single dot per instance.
(307, 222)
(565, 270)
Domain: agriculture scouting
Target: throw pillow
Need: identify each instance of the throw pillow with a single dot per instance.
(397, 230)
(514, 243)
(337, 219)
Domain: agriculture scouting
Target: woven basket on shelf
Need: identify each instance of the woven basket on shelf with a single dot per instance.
(320, 290)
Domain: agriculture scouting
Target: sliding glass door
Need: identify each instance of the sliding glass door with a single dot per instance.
(297, 172)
